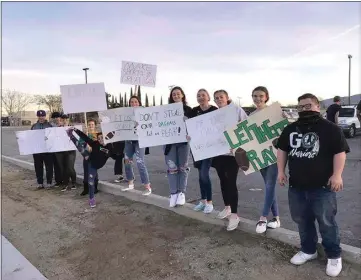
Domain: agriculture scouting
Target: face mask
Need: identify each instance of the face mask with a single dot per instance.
(308, 114)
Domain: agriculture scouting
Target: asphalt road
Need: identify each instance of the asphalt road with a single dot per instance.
(250, 187)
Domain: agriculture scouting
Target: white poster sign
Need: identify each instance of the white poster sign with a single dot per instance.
(31, 142)
(139, 74)
(57, 140)
(160, 125)
(206, 132)
(118, 124)
(83, 98)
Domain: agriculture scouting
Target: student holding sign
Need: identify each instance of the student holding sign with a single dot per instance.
(43, 158)
(132, 148)
(176, 156)
(260, 98)
(227, 169)
(204, 166)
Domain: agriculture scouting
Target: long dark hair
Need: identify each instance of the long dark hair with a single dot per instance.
(170, 99)
(136, 97)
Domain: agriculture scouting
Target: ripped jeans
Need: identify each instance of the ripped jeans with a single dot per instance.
(92, 177)
(131, 149)
(177, 164)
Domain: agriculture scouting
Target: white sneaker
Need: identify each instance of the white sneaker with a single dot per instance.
(274, 223)
(301, 258)
(334, 267)
(233, 223)
(147, 191)
(173, 200)
(130, 187)
(224, 214)
(181, 199)
(208, 209)
(261, 226)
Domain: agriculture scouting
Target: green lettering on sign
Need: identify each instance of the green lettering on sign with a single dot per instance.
(230, 143)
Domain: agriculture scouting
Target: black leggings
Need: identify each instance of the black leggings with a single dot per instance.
(227, 170)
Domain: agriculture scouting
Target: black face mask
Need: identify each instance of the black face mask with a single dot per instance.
(308, 114)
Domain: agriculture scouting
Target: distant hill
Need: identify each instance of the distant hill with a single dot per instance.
(355, 99)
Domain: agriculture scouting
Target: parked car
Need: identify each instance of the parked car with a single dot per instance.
(348, 120)
(5, 121)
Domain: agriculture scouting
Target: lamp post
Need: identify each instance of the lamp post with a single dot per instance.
(86, 81)
(349, 79)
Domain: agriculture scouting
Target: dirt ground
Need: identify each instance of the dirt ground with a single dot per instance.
(121, 239)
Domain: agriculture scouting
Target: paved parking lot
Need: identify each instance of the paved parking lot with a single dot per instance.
(250, 187)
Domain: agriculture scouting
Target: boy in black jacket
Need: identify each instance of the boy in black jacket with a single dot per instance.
(97, 156)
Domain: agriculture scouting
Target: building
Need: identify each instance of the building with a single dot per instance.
(24, 118)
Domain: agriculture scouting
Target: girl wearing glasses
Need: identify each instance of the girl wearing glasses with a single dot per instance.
(227, 169)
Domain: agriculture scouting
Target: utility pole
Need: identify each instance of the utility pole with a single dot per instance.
(349, 79)
(86, 81)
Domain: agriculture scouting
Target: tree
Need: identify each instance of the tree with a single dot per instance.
(131, 91)
(125, 100)
(51, 101)
(146, 100)
(161, 100)
(139, 94)
(14, 101)
(153, 100)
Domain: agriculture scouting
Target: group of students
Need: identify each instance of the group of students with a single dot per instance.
(314, 148)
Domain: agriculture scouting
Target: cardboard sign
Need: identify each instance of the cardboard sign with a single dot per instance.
(253, 140)
(83, 98)
(206, 132)
(160, 125)
(118, 124)
(138, 74)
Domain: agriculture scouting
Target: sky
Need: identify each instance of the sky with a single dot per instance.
(291, 48)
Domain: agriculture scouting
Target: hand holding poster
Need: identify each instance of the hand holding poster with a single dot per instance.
(31, 142)
(83, 98)
(206, 132)
(57, 140)
(138, 74)
(253, 140)
(160, 125)
(118, 124)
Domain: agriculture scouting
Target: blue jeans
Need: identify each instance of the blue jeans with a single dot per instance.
(269, 175)
(177, 164)
(204, 179)
(319, 204)
(92, 176)
(131, 149)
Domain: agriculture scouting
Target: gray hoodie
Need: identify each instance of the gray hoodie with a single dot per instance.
(43, 125)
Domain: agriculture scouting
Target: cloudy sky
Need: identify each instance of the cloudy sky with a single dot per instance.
(291, 48)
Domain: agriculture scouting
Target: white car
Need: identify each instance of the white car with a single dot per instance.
(348, 120)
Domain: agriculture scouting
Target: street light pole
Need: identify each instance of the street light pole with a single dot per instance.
(349, 79)
(86, 81)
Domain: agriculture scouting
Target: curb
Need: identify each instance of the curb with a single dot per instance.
(349, 253)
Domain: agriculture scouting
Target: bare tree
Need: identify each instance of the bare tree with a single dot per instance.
(52, 102)
(14, 101)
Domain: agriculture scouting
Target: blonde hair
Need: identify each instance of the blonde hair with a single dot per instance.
(202, 89)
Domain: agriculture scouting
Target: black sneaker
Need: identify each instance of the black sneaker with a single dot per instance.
(119, 179)
(66, 188)
(73, 187)
(84, 192)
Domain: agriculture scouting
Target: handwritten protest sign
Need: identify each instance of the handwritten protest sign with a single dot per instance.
(83, 98)
(253, 140)
(138, 74)
(57, 140)
(31, 142)
(118, 124)
(206, 132)
(160, 125)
